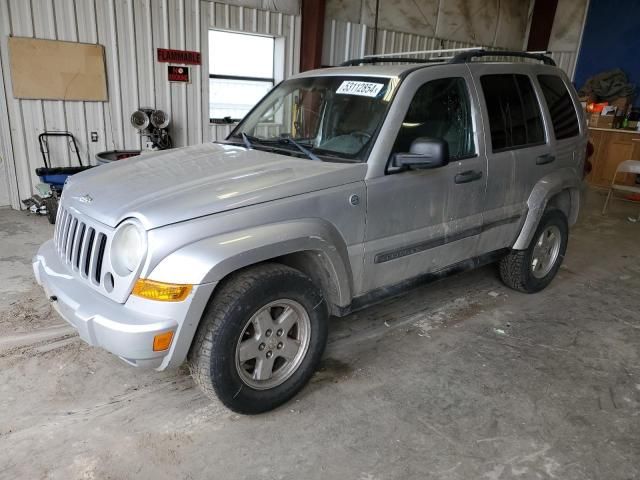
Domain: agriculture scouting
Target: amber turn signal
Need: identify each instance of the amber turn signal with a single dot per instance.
(162, 341)
(163, 292)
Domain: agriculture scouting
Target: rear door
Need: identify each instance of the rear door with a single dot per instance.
(517, 150)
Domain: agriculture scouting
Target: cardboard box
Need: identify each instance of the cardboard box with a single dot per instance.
(600, 121)
(621, 103)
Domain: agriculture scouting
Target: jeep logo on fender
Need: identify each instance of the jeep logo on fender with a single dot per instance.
(179, 56)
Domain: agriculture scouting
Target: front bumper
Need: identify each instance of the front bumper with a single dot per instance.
(127, 329)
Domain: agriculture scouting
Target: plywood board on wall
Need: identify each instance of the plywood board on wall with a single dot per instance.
(55, 70)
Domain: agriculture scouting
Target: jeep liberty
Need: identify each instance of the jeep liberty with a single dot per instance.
(341, 186)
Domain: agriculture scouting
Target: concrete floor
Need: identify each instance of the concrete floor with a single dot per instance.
(461, 379)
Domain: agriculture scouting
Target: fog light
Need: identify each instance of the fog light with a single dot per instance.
(162, 341)
(163, 292)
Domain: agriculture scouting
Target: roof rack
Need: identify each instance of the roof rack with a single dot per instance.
(462, 55)
(367, 60)
(424, 52)
(465, 57)
(398, 57)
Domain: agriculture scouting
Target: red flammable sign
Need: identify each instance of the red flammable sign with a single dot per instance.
(179, 56)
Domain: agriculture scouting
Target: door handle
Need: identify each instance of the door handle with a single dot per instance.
(468, 176)
(544, 159)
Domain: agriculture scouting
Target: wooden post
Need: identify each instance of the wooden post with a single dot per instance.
(544, 11)
(312, 30)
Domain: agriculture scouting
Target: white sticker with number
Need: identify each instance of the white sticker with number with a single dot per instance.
(364, 89)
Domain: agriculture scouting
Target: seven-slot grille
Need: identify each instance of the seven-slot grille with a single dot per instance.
(80, 246)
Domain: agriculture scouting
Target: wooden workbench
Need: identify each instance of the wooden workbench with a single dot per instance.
(612, 146)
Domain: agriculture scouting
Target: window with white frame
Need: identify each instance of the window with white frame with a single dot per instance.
(241, 72)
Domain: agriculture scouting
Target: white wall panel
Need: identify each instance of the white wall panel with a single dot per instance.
(8, 180)
(107, 35)
(25, 117)
(178, 90)
(160, 39)
(86, 22)
(131, 31)
(193, 106)
(74, 113)
(126, 27)
(53, 111)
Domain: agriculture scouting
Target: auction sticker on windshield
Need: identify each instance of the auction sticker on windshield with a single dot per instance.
(364, 89)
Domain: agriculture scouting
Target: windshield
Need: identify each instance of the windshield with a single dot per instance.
(333, 116)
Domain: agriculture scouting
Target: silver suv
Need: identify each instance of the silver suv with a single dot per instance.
(342, 186)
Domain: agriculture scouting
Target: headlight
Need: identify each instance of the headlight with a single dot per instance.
(128, 247)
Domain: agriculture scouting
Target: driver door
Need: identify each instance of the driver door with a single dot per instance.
(421, 221)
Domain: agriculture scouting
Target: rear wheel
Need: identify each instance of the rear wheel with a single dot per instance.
(260, 339)
(532, 269)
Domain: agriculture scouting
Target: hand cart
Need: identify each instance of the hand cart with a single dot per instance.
(54, 177)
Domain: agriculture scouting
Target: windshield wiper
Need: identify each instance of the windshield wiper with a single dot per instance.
(250, 140)
(308, 153)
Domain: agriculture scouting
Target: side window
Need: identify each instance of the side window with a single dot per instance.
(560, 104)
(514, 114)
(439, 109)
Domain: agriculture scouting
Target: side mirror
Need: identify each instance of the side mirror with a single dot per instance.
(423, 153)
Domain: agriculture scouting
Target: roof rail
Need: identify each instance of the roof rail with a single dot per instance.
(368, 60)
(461, 55)
(398, 57)
(423, 52)
(465, 57)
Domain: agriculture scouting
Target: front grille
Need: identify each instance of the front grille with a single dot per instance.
(80, 246)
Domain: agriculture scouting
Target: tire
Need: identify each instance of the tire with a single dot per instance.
(517, 269)
(52, 209)
(229, 355)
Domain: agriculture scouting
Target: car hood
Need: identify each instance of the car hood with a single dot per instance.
(170, 186)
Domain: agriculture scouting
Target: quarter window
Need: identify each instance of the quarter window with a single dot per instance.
(560, 104)
(440, 109)
(514, 114)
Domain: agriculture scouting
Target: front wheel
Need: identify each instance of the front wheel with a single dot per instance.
(532, 269)
(260, 339)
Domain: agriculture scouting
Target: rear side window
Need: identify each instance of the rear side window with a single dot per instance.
(514, 114)
(560, 104)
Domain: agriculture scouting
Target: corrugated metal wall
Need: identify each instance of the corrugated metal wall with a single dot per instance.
(345, 40)
(130, 30)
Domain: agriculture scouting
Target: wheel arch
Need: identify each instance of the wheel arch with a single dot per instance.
(559, 190)
(317, 265)
(312, 246)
